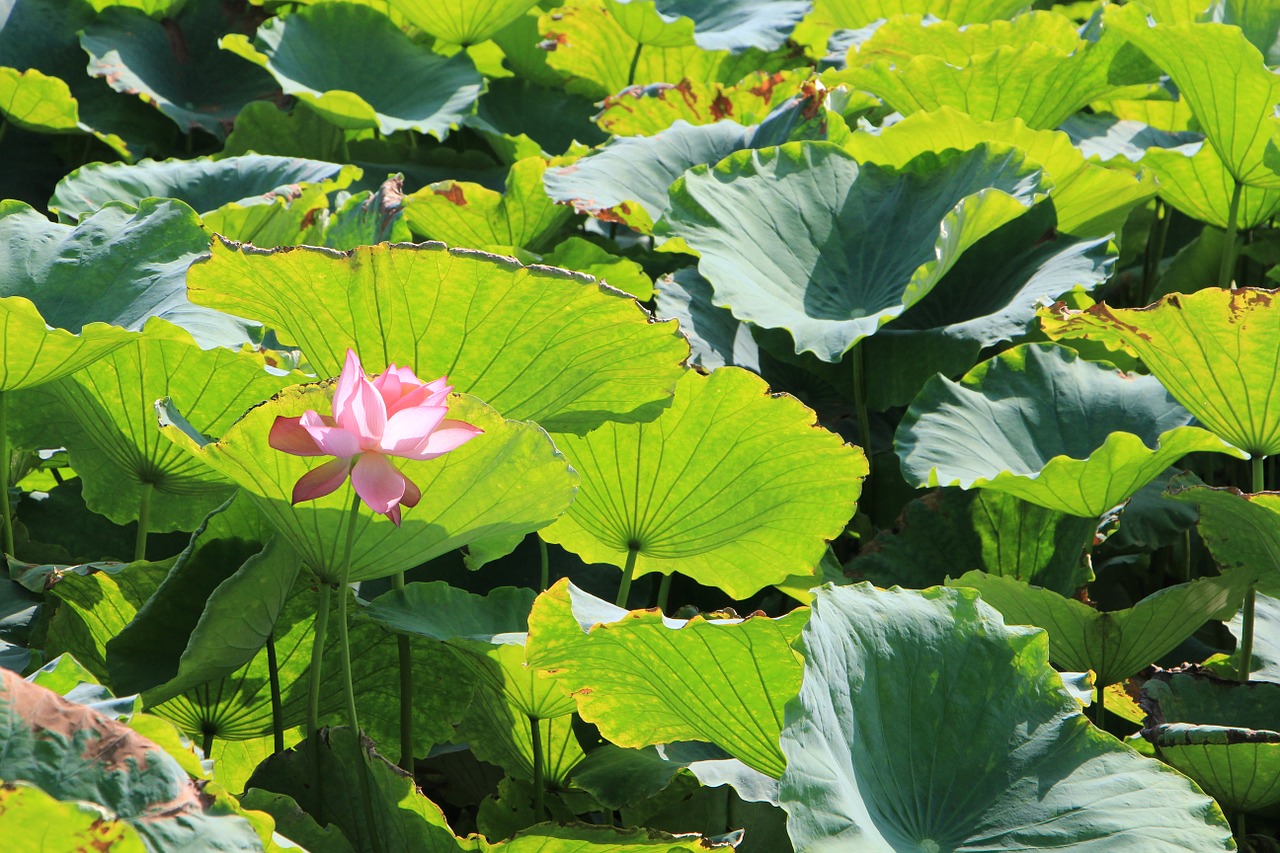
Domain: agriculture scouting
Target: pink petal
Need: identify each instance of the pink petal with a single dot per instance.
(350, 377)
(365, 415)
(433, 394)
(378, 483)
(288, 435)
(408, 429)
(450, 435)
(394, 515)
(412, 494)
(332, 440)
(321, 481)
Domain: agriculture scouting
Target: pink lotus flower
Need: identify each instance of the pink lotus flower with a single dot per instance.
(394, 414)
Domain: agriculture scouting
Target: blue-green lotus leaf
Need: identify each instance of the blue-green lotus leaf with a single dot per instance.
(924, 723)
(805, 238)
(175, 64)
(352, 65)
(736, 25)
(1042, 423)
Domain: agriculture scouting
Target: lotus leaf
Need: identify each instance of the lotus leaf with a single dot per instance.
(353, 66)
(38, 102)
(1224, 81)
(33, 353)
(75, 754)
(830, 15)
(1107, 139)
(202, 183)
(175, 64)
(535, 343)
(581, 255)
(1266, 638)
(127, 467)
(649, 110)
(1091, 201)
(1041, 423)
(1223, 734)
(744, 493)
(471, 216)
(1229, 335)
(300, 132)
(1035, 67)
(723, 671)
(1201, 187)
(31, 818)
(464, 22)
(734, 25)
(924, 723)
(511, 480)
(1114, 644)
(550, 119)
(950, 530)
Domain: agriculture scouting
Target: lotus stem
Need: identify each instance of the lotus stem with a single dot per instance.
(864, 420)
(1100, 709)
(1225, 271)
(1250, 597)
(406, 690)
(544, 577)
(1156, 239)
(277, 707)
(635, 63)
(539, 785)
(206, 745)
(7, 544)
(4, 129)
(628, 572)
(1241, 830)
(344, 649)
(664, 592)
(144, 520)
(313, 694)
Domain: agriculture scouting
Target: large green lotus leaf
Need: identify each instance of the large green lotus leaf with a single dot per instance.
(582, 255)
(535, 343)
(117, 450)
(949, 531)
(1117, 142)
(1035, 67)
(203, 183)
(1223, 734)
(286, 220)
(32, 353)
(647, 110)
(1224, 80)
(549, 116)
(1241, 531)
(136, 257)
(734, 25)
(441, 612)
(1229, 335)
(75, 754)
(510, 480)
(238, 706)
(804, 238)
(1041, 423)
(474, 217)
(34, 101)
(353, 66)
(924, 723)
(301, 132)
(1091, 200)
(31, 819)
(991, 295)
(175, 65)
(367, 218)
(605, 47)
(831, 15)
(1114, 644)
(211, 615)
(729, 486)
(1201, 187)
(645, 679)
(464, 22)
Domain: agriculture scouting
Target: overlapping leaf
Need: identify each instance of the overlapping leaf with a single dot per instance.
(534, 343)
(729, 486)
(647, 110)
(1119, 643)
(1042, 423)
(645, 679)
(1201, 186)
(1228, 335)
(803, 237)
(925, 723)
(464, 22)
(353, 66)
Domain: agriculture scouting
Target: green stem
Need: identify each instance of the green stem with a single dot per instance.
(144, 520)
(1155, 251)
(628, 572)
(1251, 597)
(544, 578)
(344, 649)
(864, 421)
(207, 745)
(1241, 830)
(406, 690)
(1186, 556)
(1225, 270)
(4, 129)
(277, 707)
(635, 63)
(539, 785)
(1100, 710)
(313, 694)
(6, 545)
(664, 592)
